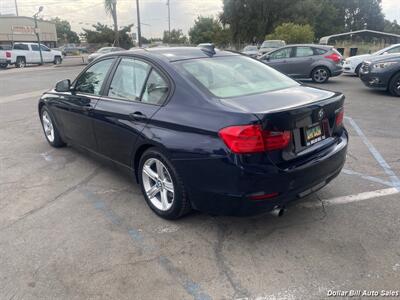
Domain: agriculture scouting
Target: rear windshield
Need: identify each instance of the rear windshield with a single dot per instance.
(234, 76)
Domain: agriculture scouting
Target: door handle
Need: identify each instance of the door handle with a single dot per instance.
(137, 116)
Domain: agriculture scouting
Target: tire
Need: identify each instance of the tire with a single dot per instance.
(20, 62)
(57, 60)
(320, 74)
(357, 70)
(394, 85)
(158, 176)
(49, 129)
(3, 66)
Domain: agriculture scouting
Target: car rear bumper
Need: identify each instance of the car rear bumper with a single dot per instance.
(220, 187)
(336, 71)
(5, 61)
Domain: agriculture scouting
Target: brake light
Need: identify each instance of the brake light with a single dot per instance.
(335, 57)
(8, 54)
(339, 117)
(252, 139)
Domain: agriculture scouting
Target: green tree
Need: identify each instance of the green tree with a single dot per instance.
(292, 33)
(392, 27)
(209, 30)
(104, 35)
(111, 9)
(256, 18)
(177, 37)
(64, 31)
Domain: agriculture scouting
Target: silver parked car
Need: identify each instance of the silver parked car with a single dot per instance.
(318, 62)
(270, 45)
(102, 51)
(250, 50)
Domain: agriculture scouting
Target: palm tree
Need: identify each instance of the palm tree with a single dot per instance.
(111, 9)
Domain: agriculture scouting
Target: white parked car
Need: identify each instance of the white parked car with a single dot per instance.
(353, 64)
(22, 54)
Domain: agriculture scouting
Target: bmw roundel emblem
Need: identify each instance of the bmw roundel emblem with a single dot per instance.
(321, 114)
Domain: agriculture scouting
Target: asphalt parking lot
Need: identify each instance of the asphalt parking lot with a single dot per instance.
(75, 227)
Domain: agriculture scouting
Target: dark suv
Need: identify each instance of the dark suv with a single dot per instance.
(382, 73)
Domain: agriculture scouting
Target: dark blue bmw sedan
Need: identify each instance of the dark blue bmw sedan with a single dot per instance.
(201, 129)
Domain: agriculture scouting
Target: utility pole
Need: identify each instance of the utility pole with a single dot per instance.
(138, 24)
(37, 34)
(16, 7)
(169, 22)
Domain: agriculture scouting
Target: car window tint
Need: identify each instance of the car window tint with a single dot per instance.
(394, 50)
(91, 81)
(234, 76)
(304, 51)
(35, 47)
(280, 54)
(20, 47)
(44, 48)
(156, 89)
(128, 80)
(319, 51)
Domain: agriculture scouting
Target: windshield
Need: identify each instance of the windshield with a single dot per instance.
(233, 76)
(250, 48)
(272, 44)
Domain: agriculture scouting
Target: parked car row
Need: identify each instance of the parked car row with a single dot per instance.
(21, 54)
(379, 70)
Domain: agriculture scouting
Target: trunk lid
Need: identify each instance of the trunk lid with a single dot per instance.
(308, 113)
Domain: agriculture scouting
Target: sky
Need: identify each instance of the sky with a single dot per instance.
(154, 13)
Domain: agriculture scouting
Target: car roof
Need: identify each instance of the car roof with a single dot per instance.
(172, 54)
(310, 45)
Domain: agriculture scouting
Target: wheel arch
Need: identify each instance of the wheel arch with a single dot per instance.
(142, 149)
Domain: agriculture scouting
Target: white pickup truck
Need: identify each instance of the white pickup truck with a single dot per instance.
(22, 54)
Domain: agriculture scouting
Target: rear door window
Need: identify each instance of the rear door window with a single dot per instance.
(35, 47)
(304, 51)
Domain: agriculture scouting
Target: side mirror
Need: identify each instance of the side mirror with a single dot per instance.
(384, 53)
(63, 85)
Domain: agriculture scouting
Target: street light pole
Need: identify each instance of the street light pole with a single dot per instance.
(169, 22)
(138, 24)
(16, 7)
(37, 34)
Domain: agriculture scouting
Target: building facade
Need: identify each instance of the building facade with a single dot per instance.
(22, 29)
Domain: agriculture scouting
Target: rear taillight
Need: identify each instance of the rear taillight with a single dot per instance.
(8, 54)
(334, 57)
(339, 118)
(252, 139)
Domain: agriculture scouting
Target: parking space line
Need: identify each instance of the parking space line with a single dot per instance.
(351, 198)
(375, 153)
(16, 97)
(192, 288)
(367, 177)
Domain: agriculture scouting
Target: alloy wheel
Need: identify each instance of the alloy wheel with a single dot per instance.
(157, 183)
(397, 87)
(48, 126)
(320, 75)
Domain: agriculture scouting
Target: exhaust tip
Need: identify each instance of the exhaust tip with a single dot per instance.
(278, 211)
